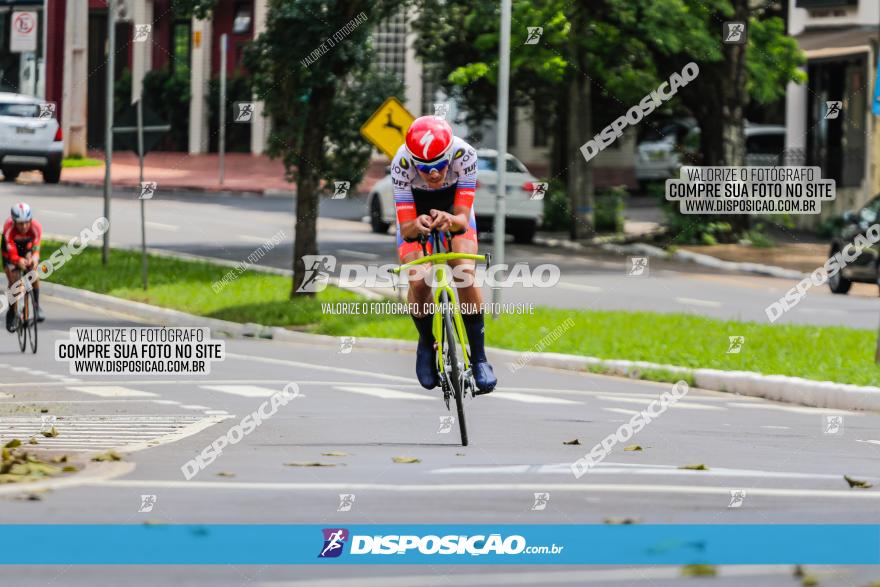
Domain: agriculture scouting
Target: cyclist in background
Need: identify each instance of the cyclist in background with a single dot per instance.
(21, 253)
(434, 177)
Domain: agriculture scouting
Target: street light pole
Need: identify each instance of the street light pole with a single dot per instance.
(501, 163)
(108, 128)
(221, 139)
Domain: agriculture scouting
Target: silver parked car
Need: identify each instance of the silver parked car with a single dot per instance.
(30, 138)
(524, 207)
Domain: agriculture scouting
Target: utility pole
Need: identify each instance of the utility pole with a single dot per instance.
(501, 162)
(108, 128)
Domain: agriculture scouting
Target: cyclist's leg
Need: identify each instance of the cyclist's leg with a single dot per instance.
(36, 289)
(12, 274)
(471, 298)
(419, 298)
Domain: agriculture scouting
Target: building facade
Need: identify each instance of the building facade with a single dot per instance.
(830, 120)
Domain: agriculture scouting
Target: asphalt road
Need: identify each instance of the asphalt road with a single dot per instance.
(366, 405)
(231, 227)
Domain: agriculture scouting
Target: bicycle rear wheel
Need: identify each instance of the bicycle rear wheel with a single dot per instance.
(21, 318)
(452, 352)
(32, 321)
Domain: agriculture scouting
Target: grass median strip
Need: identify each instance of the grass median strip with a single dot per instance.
(833, 353)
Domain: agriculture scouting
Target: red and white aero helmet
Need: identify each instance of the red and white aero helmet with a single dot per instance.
(429, 139)
(21, 212)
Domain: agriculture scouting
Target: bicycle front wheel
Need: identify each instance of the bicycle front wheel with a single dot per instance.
(21, 314)
(453, 350)
(32, 322)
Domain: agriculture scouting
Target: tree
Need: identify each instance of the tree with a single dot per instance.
(315, 70)
(610, 52)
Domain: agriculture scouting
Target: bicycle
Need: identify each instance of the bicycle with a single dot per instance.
(453, 358)
(25, 313)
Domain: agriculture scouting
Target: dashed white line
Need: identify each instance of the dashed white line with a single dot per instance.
(111, 391)
(579, 287)
(532, 399)
(161, 226)
(701, 303)
(243, 390)
(359, 254)
(382, 392)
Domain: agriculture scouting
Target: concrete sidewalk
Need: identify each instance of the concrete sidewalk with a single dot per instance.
(244, 172)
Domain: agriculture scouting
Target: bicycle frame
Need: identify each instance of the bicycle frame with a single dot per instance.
(445, 285)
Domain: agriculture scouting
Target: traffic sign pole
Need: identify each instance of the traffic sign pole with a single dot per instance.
(221, 140)
(108, 129)
(140, 139)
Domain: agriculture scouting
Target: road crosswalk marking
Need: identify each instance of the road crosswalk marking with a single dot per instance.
(383, 393)
(102, 432)
(111, 391)
(243, 390)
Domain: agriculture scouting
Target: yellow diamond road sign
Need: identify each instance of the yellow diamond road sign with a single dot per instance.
(387, 127)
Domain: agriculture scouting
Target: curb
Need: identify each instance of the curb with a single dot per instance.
(782, 388)
(705, 260)
(686, 256)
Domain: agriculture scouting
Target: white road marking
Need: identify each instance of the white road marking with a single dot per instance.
(701, 303)
(359, 254)
(869, 441)
(531, 398)
(161, 226)
(579, 287)
(166, 402)
(195, 407)
(243, 390)
(128, 433)
(445, 488)
(793, 409)
(167, 382)
(382, 392)
(645, 401)
(111, 391)
(5, 395)
(777, 427)
(520, 577)
(304, 365)
(216, 412)
(606, 468)
(621, 411)
(253, 239)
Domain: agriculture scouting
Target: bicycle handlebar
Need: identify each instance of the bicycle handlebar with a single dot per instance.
(440, 257)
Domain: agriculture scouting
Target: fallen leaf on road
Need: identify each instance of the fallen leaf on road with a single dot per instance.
(809, 581)
(14, 443)
(32, 440)
(44, 410)
(621, 521)
(225, 474)
(574, 442)
(107, 456)
(699, 467)
(51, 433)
(334, 453)
(699, 571)
(459, 454)
(406, 460)
(61, 459)
(309, 464)
(857, 483)
(633, 447)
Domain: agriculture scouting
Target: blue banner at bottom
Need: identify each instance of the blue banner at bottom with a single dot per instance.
(272, 544)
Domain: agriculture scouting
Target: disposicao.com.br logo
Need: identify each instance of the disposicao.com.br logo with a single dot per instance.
(451, 544)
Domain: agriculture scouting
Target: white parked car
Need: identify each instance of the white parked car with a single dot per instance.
(524, 207)
(659, 157)
(657, 153)
(30, 138)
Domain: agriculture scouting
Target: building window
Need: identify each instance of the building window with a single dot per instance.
(242, 23)
(389, 40)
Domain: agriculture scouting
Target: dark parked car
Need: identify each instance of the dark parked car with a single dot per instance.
(866, 267)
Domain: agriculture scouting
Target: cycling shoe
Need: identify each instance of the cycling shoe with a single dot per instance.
(426, 370)
(484, 377)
